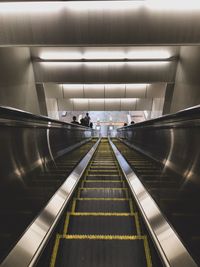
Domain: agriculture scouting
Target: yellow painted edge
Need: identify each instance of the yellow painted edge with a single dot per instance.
(105, 181)
(113, 199)
(137, 224)
(55, 250)
(103, 167)
(131, 205)
(147, 252)
(101, 214)
(103, 162)
(103, 175)
(66, 223)
(74, 205)
(107, 171)
(96, 198)
(79, 193)
(105, 237)
(102, 188)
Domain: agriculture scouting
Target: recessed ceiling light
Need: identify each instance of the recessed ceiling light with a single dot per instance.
(111, 54)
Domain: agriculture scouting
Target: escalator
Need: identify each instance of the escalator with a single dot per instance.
(102, 227)
(30, 198)
(177, 200)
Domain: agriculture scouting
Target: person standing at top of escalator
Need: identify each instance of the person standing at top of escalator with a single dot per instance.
(87, 120)
(74, 120)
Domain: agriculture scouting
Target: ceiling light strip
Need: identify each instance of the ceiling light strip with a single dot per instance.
(85, 60)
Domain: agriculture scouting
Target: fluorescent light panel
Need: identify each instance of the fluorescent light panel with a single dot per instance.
(76, 6)
(104, 64)
(84, 6)
(100, 100)
(111, 54)
(104, 86)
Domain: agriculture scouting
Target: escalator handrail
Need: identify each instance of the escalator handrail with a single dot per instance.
(30, 246)
(15, 117)
(172, 251)
(190, 116)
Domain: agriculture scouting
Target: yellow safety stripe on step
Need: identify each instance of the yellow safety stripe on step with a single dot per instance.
(103, 181)
(103, 163)
(110, 214)
(101, 188)
(92, 171)
(88, 178)
(105, 237)
(101, 214)
(113, 199)
(92, 199)
(102, 175)
(108, 165)
(103, 166)
(55, 250)
(147, 252)
(84, 183)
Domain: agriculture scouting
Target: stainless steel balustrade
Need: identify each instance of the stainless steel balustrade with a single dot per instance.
(172, 251)
(34, 240)
(29, 144)
(173, 140)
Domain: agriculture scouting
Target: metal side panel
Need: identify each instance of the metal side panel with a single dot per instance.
(172, 251)
(31, 244)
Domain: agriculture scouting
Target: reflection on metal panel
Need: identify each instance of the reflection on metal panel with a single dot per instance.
(169, 140)
(172, 251)
(29, 143)
(30, 245)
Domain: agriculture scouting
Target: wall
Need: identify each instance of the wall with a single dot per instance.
(52, 108)
(157, 108)
(187, 83)
(17, 83)
(168, 98)
(41, 99)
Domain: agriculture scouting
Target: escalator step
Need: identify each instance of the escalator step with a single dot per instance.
(100, 163)
(103, 167)
(102, 193)
(103, 177)
(105, 184)
(102, 172)
(101, 224)
(102, 253)
(102, 206)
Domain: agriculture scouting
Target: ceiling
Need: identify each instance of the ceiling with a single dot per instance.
(99, 91)
(103, 23)
(102, 54)
(105, 78)
(105, 64)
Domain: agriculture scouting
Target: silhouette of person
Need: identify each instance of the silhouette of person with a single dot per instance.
(83, 122)
(74, 120)
(87, 119)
